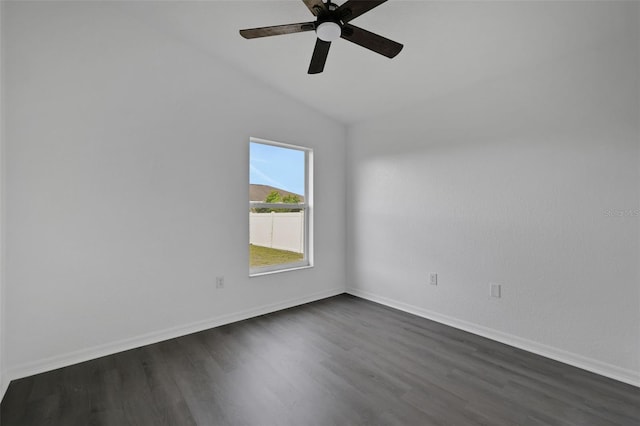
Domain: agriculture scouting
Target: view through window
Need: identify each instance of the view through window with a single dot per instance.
(279, 206)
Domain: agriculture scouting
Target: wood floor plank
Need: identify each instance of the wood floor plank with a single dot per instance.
(338, 361)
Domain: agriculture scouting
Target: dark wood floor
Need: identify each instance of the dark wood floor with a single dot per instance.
(339, 361)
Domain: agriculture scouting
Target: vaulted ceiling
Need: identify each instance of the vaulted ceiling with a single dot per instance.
(448, 46)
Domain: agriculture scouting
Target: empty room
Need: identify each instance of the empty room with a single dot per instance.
(286, 212)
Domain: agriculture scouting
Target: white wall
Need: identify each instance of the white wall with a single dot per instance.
(509, 181)
(3, 382)
(127, 180)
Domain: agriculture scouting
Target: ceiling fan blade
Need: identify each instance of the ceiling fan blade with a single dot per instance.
(315, 6)
(354, 8)
(278, 30)
(319, 57)
(371, 41)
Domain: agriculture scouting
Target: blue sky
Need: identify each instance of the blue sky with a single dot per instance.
(278, 167)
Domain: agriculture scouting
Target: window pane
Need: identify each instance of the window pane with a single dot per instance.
(276, 238)
(278, 168)
(277, 234)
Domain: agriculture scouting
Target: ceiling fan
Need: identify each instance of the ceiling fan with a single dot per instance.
(332, 23)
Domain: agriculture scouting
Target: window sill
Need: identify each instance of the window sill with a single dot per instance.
(278, 271)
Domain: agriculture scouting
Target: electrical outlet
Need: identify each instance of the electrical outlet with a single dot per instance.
(495, 290)
(433, 278)
(219, 282)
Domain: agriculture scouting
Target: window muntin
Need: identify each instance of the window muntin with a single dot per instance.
(280, 207)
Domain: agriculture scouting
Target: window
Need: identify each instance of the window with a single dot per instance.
(280, 207)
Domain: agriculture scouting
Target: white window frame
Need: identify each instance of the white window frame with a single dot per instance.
(306, 206)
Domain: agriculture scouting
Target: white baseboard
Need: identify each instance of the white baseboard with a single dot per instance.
(64, 360)
(604, 369)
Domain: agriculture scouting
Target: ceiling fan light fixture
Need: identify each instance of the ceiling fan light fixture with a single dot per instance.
(328, 31)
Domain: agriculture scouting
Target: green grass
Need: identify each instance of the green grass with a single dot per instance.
(265, 256)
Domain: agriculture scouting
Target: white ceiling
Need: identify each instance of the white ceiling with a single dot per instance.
(448, 45)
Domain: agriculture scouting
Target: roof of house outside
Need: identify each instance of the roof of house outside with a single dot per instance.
(260, 192)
